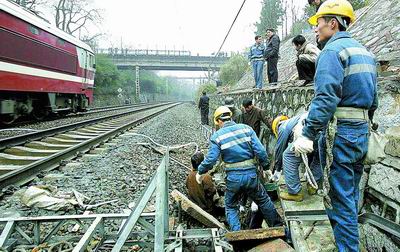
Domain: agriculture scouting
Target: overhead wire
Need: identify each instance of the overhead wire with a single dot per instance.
(227, 34)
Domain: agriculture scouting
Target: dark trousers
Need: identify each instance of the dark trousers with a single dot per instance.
(246, 182)
(256, 219)
(349, 149)
(272, 69)
(204, 116)
(306, 69)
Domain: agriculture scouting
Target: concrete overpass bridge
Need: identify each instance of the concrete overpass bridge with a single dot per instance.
(170, 60)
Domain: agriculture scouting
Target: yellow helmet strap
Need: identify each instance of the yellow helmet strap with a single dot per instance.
(342, 21)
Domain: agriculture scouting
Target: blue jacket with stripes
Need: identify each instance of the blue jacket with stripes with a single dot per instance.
(256, 51)
(285, 131)
(345, 77)
(235, 143)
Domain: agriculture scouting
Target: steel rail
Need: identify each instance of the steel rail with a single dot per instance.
(26, 173)
(21, 139)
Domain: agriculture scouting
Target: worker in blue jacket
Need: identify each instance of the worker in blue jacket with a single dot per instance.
(345, 99)
(238, 146)
(286, 131)
(256, 59)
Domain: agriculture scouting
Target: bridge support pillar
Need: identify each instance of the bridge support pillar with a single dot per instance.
(137, 82)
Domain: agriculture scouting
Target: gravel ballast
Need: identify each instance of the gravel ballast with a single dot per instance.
(121, 169)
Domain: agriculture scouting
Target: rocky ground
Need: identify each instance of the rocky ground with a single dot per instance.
(121, 171)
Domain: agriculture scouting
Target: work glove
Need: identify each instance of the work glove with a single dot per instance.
(276, 176)
(241, 209)
(215, 197)
(254, 207)
(303, 145)
(297, 131)
(268, 174)
(199, 178)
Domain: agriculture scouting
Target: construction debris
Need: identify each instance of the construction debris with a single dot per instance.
(195, 211)
(46, 198)
(255, 234)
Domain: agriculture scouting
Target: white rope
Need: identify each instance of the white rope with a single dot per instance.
(164, 146)
(308, 175)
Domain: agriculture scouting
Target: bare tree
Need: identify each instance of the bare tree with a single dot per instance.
(294, 13)
(74, 15)
(31, 4)
(285, 17)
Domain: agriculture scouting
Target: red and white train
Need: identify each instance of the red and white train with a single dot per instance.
(43, 70)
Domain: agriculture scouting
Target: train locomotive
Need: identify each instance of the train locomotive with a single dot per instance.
(43, 70)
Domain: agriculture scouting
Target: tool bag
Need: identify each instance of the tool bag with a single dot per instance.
(376, 147)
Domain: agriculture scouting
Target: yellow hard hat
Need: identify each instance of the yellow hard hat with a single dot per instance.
(334, 8)
(276, 122)
(222, 112)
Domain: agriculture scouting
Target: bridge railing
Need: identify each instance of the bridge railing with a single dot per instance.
(146, 52)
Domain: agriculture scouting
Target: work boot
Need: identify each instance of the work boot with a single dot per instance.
(293, 197)
(311, 190)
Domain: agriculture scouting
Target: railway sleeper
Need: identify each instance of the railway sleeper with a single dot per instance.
(7, 159)
(70, 136)
(57, 140)
(27, 151)
(47, 146)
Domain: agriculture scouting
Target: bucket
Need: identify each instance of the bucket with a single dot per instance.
(272, 190)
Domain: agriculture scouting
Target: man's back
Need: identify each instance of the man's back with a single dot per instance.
(236, 115)
(358, 74)
(204, 102)
(202, 194)
(253, 119)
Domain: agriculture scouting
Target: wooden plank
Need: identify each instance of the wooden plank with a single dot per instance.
(277, 245)
(255, 234)
(195, 211)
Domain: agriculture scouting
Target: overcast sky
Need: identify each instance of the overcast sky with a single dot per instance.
(195, 25)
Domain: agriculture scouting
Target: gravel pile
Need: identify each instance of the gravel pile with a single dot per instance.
(122, 170)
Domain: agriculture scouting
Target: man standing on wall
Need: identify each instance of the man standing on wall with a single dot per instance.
(345, 99)
(256, 59)
(204, 108)
(271, 55)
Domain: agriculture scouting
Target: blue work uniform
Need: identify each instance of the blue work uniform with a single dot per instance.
(286, 158)
(256, 57)
(237, 143)
(345, 77)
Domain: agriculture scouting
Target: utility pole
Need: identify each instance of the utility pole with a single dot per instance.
(166, 87)
(137, 84)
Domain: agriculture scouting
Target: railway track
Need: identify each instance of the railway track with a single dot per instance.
(94, 110)
(25, 156)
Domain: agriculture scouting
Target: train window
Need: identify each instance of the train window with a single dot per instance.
(34, 30)
(81, 57)
(94, 61)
